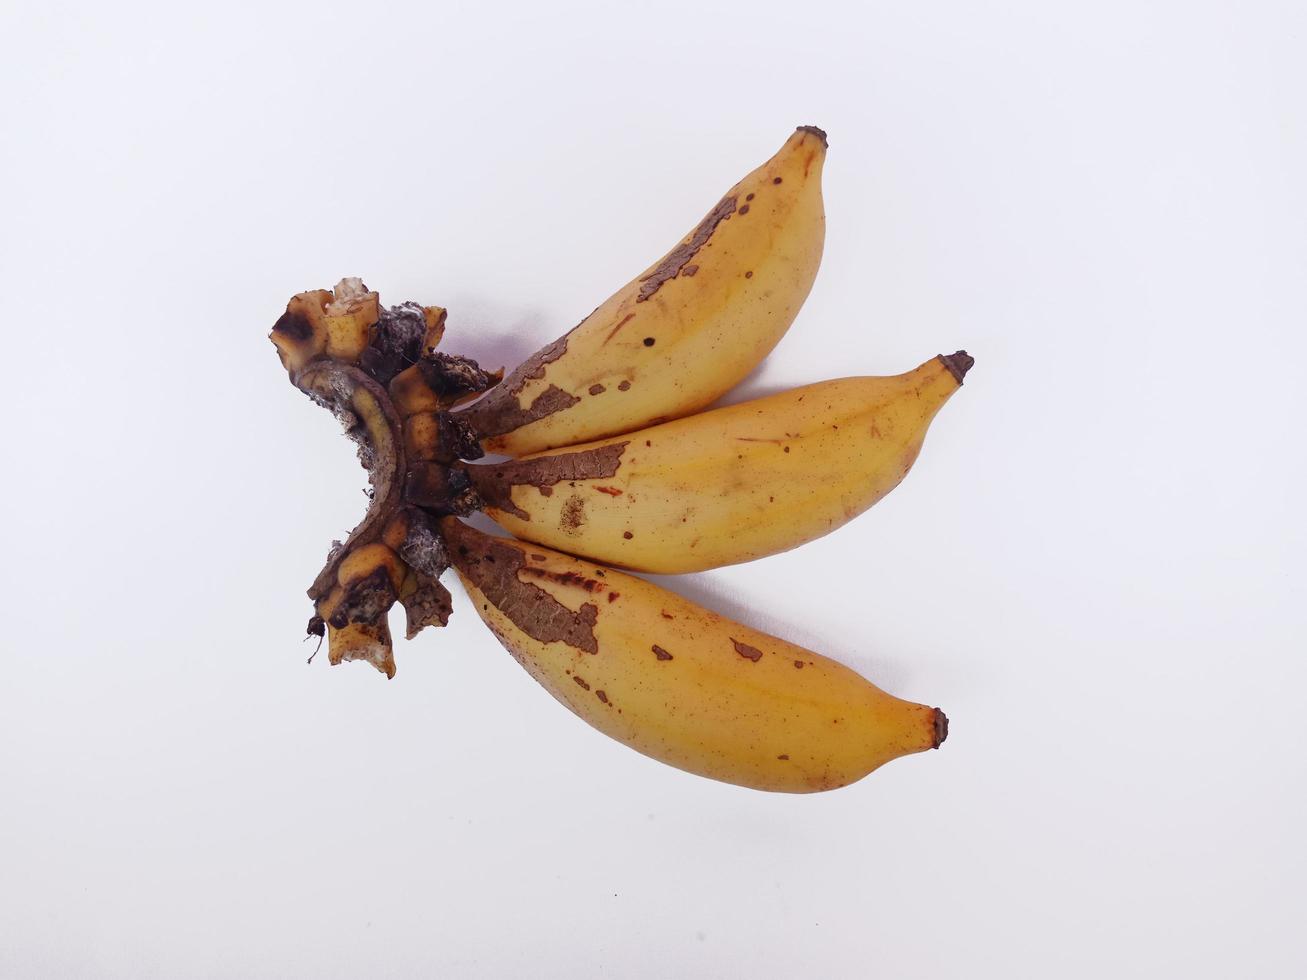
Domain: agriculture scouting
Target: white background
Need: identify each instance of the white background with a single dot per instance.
(1094, 567)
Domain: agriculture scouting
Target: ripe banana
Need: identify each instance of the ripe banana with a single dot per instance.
(728, 485)
(683, 332)
(679, 683)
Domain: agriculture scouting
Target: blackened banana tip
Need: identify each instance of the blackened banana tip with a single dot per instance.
(941, 728)
(958, 364)
(816, 131)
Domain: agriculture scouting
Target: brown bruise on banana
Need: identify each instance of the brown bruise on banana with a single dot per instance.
(496, 568)
(678, 258)
(618, 326)
(747, 652)
(502, 411)
(573, 513)
(494, 482)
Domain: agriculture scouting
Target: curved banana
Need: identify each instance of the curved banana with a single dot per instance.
(683, 332)
(728, 485)
(679, 683)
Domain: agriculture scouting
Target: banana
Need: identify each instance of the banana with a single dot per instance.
(683, 332)
(679, 683)
(728, 485)
(606, 465)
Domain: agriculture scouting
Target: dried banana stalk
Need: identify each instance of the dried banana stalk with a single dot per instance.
(376, 369)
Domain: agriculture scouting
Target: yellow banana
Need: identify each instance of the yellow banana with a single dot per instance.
(728, 485)
(683, 332)
(679, 683)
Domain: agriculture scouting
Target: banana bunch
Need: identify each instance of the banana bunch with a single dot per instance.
(611, 464)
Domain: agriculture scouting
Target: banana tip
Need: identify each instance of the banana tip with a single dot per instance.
(816, 131)
(941, 728)
(958, 364)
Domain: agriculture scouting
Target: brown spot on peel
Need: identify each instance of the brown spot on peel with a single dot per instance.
(746, 651)
(494, 482)
(512, 416)
(671, 265)
(493, 566)
(501, 410)
(619, 325)
(571, 579)
(660, 653)
(580, 682)
(597, 389)
(573, 515)
(611, 491)
(602, 696)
